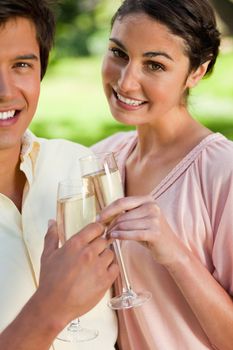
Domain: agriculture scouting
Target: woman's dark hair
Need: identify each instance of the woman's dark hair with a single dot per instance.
(41, 15)
(192, 20)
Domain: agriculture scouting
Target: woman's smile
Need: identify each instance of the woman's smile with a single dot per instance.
(128, 102)
(148, 73)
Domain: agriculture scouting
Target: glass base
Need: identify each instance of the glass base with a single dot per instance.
(128, 300)
(75, 333)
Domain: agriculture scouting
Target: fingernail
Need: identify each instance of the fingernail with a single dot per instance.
(97, 218)
(114, 234)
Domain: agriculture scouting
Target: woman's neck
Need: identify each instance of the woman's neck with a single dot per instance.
(181, 132)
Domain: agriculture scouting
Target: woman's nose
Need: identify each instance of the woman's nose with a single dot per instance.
(129, 79)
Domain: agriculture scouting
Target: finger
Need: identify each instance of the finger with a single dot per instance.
(89, 233)
(121, 205)
(113, 272)
(110, 276)
(91, 251)
(136, 224)
(107, 257)
(144, 216)
(51, 239)
(135, 235)
(100, 245)
(144, 211)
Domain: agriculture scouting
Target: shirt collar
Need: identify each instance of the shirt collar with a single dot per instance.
(29, 153)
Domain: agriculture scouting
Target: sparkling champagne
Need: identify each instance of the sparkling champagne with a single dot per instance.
(107, 185)
(73, 213)
(102, 172)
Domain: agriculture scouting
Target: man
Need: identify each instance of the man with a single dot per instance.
(72, 278)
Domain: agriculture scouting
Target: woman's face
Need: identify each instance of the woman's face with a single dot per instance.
(144, 71)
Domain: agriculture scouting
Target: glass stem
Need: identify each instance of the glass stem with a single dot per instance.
(125, 281)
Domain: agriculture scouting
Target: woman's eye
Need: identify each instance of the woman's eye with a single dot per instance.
(118, 53)
(155, 66)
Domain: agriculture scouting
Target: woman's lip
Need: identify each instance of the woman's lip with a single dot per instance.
(129, 107)
(132, 99)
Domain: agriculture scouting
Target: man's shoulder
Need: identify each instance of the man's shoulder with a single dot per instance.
(59, 158)
(59, 147)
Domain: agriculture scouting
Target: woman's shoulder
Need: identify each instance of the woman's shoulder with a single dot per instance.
(214, 164)
(114, 143)
(218, 154)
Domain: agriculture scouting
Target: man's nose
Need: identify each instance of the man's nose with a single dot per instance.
(6, 85)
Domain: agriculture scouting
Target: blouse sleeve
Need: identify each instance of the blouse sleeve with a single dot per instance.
(218, 187)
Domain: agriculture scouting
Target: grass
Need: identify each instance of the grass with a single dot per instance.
(72, 103)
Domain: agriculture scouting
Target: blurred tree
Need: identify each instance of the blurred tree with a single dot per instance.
(225, 11)
(79, 22)
(75, 23)
(82, 24)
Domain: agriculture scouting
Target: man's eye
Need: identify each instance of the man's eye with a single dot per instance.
(118, 53)
(22, 65)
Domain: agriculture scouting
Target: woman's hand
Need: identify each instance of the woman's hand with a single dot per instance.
(140, 219)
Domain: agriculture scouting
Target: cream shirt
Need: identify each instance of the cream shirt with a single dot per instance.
(45, 163)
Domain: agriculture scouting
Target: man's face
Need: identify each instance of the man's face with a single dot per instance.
(19, 80)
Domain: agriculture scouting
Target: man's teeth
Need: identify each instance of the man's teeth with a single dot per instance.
(128, 101)
(7, 115)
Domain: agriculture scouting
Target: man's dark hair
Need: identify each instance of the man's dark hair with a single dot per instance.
(39, 12)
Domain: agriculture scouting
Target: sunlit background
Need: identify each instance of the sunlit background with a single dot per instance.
(72, 103)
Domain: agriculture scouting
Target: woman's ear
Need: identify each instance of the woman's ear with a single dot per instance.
(195, 76)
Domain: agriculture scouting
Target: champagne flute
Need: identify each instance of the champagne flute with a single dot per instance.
(102, 170)
(75, 209)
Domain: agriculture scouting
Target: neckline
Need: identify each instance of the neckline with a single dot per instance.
(178, 169)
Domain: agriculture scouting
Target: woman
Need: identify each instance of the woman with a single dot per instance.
(177, 224)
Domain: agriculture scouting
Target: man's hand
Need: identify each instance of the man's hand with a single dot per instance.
(76, 276)
(73, 279)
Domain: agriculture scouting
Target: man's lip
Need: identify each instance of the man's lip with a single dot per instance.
(10, 121)
(9, 109)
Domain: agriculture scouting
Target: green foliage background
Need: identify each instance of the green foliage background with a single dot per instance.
(72, 103)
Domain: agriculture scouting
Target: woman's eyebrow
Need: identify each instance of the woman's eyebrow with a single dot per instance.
(146, 54)
(118, 43)
(157, 53)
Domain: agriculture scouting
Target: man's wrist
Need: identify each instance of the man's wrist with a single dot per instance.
(34, 327)
(44, 316)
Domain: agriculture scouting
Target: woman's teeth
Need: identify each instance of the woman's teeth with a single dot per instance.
(7, 115)
(129, 101)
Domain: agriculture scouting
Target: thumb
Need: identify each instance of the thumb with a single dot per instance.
(51, 239)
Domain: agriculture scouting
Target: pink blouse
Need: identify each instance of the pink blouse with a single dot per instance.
(196, 198)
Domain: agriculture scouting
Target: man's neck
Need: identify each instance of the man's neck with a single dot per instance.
(12, 180)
